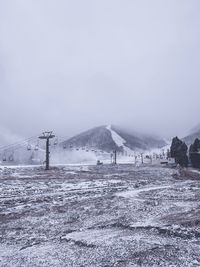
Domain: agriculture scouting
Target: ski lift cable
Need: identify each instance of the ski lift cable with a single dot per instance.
(63, 138)
(15, 147)
(19, 143)
(15, 144)
(23, 145)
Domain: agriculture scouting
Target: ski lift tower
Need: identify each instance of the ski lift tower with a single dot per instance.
(47, 136)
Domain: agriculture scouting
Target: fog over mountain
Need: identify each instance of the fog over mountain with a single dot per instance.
(69, 66)
(194, 133)
(109, 138)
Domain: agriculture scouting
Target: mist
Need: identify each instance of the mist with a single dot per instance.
(68, 66)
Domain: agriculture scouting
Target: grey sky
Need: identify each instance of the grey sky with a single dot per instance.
(71, 65)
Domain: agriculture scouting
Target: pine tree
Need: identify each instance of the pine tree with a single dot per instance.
(179, 152)
(195, 153)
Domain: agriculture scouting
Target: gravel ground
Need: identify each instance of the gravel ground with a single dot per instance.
(98, 216)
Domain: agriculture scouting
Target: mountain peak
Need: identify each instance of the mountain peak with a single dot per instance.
(109, 138)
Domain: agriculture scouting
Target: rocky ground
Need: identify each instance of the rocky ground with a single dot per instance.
(98, 216)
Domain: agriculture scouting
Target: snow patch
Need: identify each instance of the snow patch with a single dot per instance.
(119, 141)
(135, 193)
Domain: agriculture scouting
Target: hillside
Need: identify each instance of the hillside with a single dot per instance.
(109, 138)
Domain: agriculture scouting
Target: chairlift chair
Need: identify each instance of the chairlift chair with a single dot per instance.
(11, 158)
(29, 147)
(55, 142)
(36, 148)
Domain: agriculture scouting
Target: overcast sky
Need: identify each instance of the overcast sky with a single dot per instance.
(71, 65)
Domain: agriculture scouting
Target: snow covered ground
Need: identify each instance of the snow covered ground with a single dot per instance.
(98, 216)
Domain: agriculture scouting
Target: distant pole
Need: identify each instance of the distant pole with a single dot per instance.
(111, 157)
(115, 157)
(142, 159)
(135, 158)
(47, 136)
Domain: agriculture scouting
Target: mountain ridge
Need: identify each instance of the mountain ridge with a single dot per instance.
(109, 138)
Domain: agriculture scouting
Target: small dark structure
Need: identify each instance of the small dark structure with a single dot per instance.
(99, 163)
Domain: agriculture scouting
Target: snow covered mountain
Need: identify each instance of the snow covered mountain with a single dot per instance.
(109, 138)
(87, 147)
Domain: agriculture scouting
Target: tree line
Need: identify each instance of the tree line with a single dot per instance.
(184, 155)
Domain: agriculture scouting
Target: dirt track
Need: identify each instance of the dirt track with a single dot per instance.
(98, 216)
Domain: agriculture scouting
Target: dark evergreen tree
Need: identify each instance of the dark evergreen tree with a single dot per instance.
(195, 153)
(179, 152)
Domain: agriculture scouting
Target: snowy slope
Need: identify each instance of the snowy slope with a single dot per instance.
(88, 147)
(100, 142)
(109, 138)
(119, 141)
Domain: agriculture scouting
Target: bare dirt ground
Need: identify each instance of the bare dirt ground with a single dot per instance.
(98, 216)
